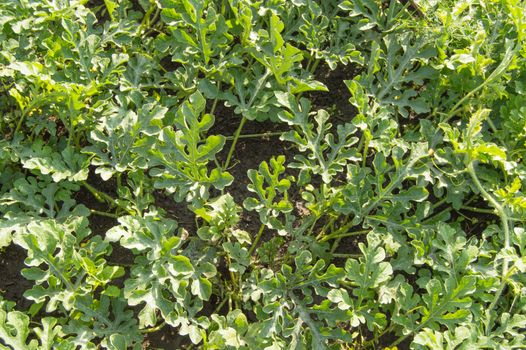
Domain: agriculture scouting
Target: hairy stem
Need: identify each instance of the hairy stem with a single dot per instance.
(216, 100)
(222, 303)
(478, 210)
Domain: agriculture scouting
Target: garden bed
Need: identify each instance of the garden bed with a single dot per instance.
(182, 174)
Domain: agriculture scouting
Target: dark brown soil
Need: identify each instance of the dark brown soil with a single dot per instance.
(164, 339)
(336, 101)
(12, 284)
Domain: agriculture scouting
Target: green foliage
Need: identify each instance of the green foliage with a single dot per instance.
(272, 192)
(394, 219)
(180, 158)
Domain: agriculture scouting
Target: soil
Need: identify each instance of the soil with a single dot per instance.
(12, 284)
(336, 101)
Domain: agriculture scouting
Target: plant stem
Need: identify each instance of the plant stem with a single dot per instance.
(100, 196)
(439, 203)
(314, 221)
(335, 245)
(326, 227)
(214, 105)
(234, 142)
(478, 210)
(154, 329)
(506, 230)
(433, 215)
(258, 88)
(377, 337)
(222, 303)
(102, 213)
(104, 197)
(341, 234)
(247, 136)
(344, 255)
(256, 240)
(314, 66)
(232, 275)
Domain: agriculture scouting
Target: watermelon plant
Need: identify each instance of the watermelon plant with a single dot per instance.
(262, 174)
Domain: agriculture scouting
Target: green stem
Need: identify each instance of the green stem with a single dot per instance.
(59, 273)
(377, 337)
(99, 195)
(222, 303)
(436, 205)
(314, 66)
(247, 136)
(156, 15)
(258, 88)
(346, 255)
(154, 329)
(104, 197)
(20, 121)
(478, 210)
(232, 275)
(34, 104)
(216, 100)
(343, 235)
(439, 203)
(102, 213)
(234, 142)
(335, 245)
(339, 234)
(506, 230)
(79, 280)
(311, 228)
(326, 228)
(256, 241)
(309, 62)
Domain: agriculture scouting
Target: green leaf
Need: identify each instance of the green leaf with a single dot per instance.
(447, 302)
(327, 155)
(180, 158)
(415, 194)
(181, 265)
(267, 185)
(202, 288)
(14, 330)
(110, 6)
(369, 272)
